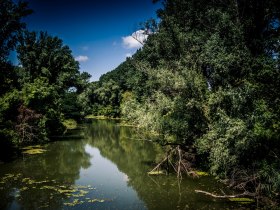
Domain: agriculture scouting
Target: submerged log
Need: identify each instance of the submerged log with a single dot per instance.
(244, 194)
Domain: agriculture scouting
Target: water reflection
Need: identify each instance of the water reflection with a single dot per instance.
(59, 166)
(107, 169)
(122, 146)
(135, 158)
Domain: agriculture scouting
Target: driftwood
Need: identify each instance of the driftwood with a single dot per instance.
(180, 164)
(244, 194)
(158, 165)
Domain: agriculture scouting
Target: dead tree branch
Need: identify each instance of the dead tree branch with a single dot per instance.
(245, 194)
(178, 159)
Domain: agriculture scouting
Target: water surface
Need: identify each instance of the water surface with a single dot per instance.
(101, 166)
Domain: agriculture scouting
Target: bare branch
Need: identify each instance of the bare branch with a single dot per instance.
(226, 196)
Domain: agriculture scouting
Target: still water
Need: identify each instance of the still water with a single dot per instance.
(101, 166)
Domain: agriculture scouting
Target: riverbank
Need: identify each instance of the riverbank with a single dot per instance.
(102, 117)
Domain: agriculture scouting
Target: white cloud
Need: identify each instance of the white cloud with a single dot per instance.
(129, 42)
(81, 58)
(128, 55)
(136, 40)
(140, 35)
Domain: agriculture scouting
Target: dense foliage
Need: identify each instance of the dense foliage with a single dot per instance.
(208, 80)
(38, 94)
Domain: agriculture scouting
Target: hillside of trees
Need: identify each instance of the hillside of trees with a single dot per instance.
(207, 81)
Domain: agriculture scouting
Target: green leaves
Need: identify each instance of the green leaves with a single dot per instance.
(38, 92)
(11, 25)
(42, 55)
(209, 78)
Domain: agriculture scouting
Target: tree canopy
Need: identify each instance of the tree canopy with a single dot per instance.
(34, 93)
(208, 80)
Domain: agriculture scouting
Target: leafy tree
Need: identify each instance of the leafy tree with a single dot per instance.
(11, 25)
(39, 92)
(45, 56)
(82, 81)
(33, 94)
(48, 74)
(107, 99)
(9, 103)
(209, 79)
(71, 106)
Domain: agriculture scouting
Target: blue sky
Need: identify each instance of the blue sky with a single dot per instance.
(97, 31)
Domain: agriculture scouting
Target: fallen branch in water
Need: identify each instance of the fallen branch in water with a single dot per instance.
(180, 164)
(158, 165)
(226, 196)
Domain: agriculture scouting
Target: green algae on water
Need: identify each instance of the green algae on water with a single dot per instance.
(201, 173)
(242, 200)
(75, 194)
(96, 200)
(74, 203)
(33, 150)
(160, 172)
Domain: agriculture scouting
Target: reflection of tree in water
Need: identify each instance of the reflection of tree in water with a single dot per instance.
(135, 158)
(44, 177)
(122, 146)
(56, 170)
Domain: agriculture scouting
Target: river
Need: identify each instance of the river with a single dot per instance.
(101, 166)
